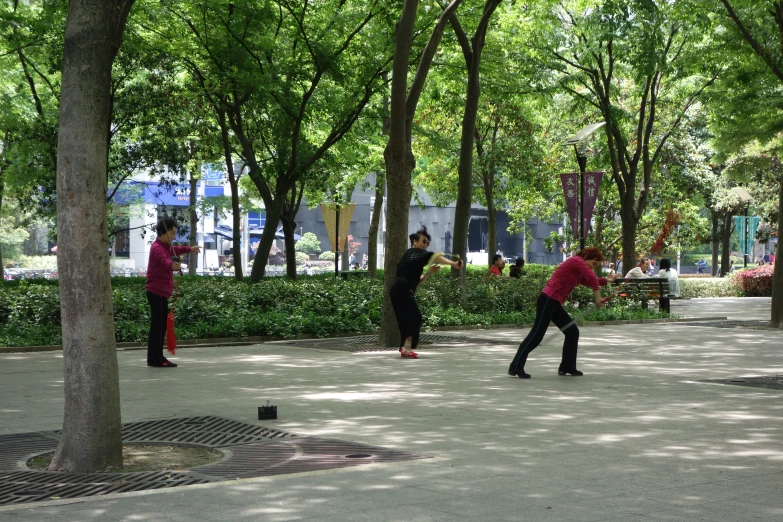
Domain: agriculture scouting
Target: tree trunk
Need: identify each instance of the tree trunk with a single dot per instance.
(465, 170)
(492, 234)
(261, 258)
(233, 182)
(399, 162)
(628, 225)
(372, 247)
(716, 235)
(92, 430)
(725, 241)
(193, 256)
(777, 278)
(289, 227)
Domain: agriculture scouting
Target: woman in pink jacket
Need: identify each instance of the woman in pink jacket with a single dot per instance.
(574, 271)
(160, 285)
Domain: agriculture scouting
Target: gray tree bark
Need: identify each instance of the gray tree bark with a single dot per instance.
(375, 220)
(92, 431)
(465, 170)
(728, 218)
(777, 278)
(398, 154)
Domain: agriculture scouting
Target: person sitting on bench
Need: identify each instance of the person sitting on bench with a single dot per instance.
(639, 272)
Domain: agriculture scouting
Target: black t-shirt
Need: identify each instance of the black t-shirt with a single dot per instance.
(412, 264)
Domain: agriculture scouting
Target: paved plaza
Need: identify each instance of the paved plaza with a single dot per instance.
(637, 438)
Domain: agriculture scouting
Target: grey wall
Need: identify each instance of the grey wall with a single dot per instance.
(439, 221)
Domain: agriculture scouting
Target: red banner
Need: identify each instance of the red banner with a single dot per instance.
(592, 181)
(571, 192)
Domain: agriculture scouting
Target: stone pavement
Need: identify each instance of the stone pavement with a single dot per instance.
(636, 438)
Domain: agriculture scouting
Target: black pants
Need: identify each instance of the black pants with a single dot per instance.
(406, 310)
(159, 311)
(547, 309)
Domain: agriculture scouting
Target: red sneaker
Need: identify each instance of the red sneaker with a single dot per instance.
(409, 355)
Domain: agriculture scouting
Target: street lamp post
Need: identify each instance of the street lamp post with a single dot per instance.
(581, 159)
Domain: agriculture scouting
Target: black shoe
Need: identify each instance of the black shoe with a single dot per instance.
(164, 364)
(572, 371)
(518, 373)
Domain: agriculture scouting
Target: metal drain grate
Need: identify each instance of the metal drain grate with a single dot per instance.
(31, 486)
(766, 382)
(207, 431)
(17, 448)
(251, 451)
(732, 324)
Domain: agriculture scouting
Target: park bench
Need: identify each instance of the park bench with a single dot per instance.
(345, 274)
(655, 288)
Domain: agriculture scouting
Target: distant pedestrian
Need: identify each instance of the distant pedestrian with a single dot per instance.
(498, 264)
(651, 268)
(408, 278)
(701, 265)
(574, 271)
(667, 271)
(518, 270)
(364, 261)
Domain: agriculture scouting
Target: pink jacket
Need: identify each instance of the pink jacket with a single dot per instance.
(160, 279)
(570, 273)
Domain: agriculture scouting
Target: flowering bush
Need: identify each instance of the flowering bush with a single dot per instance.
(758, 282)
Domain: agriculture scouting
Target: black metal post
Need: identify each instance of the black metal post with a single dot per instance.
(582, 160)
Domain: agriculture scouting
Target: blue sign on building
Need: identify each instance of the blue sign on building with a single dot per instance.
(211, 172)
(159, 193)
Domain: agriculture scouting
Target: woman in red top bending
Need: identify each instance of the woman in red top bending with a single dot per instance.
(549, 307)
(160, 285)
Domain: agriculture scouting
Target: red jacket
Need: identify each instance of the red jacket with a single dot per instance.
(160, 278)
(571, 272)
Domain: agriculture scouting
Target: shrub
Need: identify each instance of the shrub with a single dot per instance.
(691, 287)
(758, 282)
(301, 257)
(326, 256)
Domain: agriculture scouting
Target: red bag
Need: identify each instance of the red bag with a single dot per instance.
(171, 340)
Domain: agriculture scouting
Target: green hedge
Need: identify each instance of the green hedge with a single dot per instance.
(212, 307)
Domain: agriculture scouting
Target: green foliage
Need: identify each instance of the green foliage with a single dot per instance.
(326, 256)
(692, 287)
(301, 257)
(308, 244)
(215, 307)
(758, 282)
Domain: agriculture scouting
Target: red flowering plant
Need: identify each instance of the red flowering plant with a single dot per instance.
(757, 282)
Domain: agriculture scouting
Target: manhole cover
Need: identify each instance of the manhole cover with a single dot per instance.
(731, 324)
(368, 343)
(767, 382)
(251, 451)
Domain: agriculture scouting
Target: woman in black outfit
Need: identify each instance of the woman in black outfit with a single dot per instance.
(409, 277)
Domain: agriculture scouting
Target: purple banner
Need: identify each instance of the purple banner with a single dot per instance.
(571, 192)
(592, 181)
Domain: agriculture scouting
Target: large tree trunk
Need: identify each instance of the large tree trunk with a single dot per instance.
(92, 430)
(716, 235)
(777, 278)
(289, 227)
(465, 169)
(725, 241)
(399, 165)
(628, 225)
(273, 213)
(233, 182)
(492, 234)
(372, 240)
(193, 223)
